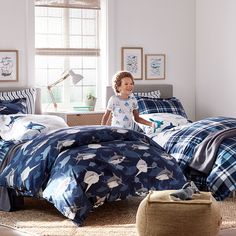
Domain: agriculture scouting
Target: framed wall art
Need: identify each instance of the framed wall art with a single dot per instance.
(155, 66)
(132, 61)
(8, 65)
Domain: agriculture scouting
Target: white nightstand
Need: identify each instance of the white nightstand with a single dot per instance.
(74, 118)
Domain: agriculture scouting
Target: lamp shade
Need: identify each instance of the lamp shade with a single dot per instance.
(75, 77)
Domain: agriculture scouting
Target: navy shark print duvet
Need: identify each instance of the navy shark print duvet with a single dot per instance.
(79, 168)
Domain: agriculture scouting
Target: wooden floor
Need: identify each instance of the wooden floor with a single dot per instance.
(5, 231)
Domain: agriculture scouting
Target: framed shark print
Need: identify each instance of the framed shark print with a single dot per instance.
(8, 65)
(155, 66)
(132, 61)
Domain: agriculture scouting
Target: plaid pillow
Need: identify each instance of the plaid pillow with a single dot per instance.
(16, 106)
(158, 105)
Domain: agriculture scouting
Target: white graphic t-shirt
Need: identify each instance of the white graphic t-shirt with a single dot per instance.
(122, 111)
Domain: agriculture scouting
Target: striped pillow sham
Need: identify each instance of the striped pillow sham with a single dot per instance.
(151, 94)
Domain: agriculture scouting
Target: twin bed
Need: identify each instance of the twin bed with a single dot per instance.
(205, 149)
(79, 168)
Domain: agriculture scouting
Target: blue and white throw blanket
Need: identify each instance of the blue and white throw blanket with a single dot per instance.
(79, 168)
(181, 142)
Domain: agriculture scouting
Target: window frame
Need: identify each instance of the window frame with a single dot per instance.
(71, 52)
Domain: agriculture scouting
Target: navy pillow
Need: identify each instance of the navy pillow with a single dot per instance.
(16, 106)
(29, 94)
(159, 105)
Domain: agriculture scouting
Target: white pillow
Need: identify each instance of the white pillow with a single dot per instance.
(151, 94)
(164, 121)
(28, 126)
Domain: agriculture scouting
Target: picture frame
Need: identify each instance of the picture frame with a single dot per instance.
(132, 61)
(155, 66)
(8, 65)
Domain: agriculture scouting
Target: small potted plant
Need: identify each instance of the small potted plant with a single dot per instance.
(90, 101)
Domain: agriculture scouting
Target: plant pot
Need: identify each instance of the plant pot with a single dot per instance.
(91, 102)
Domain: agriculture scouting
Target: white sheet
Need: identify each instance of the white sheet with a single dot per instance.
(27, 126)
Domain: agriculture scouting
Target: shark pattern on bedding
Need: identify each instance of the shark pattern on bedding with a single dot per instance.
(80, 168)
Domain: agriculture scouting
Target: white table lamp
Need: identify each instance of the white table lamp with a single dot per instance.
(75, 79)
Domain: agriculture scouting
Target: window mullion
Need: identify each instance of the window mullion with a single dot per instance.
(66, 38)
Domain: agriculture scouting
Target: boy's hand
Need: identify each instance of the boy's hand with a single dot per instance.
(154, 125)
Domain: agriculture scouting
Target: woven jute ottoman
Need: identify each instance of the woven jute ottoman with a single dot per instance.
(158, 215)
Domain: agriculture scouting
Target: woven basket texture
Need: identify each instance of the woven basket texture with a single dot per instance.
(158, 215)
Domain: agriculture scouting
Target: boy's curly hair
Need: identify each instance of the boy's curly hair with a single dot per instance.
(119, 75)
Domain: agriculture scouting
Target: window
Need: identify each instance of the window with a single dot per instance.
(67, 37)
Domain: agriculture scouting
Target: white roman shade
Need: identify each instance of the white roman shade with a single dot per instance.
(89, 4)
(67, 49)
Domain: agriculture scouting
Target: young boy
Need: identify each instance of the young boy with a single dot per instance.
(123, 105)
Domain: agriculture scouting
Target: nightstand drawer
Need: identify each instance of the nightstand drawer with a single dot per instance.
(84, 119)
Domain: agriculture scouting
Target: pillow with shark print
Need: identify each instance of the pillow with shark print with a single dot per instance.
(27, 126)
(15, 106)
(163, 122)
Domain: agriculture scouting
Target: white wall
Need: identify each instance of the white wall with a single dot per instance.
(17, 34)
(215, 58)
(159, 26)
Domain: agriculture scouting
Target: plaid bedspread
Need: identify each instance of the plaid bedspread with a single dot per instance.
(181, 141)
